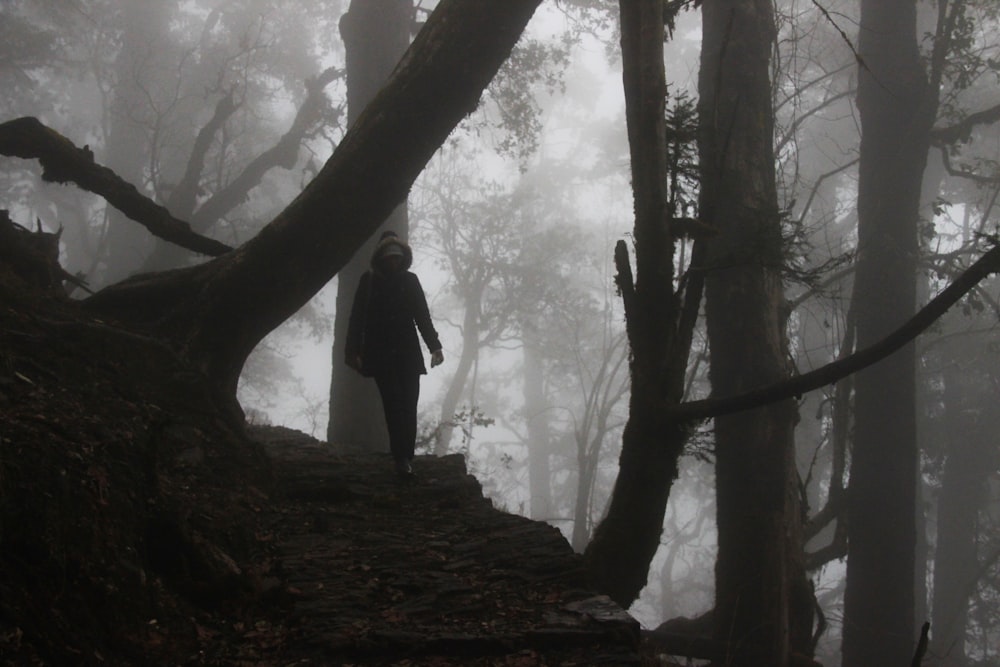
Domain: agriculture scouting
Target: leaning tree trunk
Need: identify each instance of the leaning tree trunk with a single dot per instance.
(375, 33)
(217, 312)
(762, 599)
(896, 118)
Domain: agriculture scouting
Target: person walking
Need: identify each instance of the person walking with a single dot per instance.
(389, 308)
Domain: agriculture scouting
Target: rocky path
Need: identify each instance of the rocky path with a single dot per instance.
(378, 572)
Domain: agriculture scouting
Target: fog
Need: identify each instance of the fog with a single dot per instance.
(516, 218)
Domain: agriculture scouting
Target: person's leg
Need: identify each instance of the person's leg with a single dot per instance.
(410, 395)
(400, 393)
(390, 389)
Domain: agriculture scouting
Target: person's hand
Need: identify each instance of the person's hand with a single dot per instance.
(437, 358)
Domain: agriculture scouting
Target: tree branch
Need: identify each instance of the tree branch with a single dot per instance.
(964, 173)
(63, 162)
(182, 200)
(218, 311)
(626, 287)
(283, 154)
(962, 131)
(918, 656)
(986, 265)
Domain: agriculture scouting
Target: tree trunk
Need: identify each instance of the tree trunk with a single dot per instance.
(536, 417)
(963, 484)
(627, 538)
(763, 604)
(466, 360)
(217, 312)
(879, 626)
(376, 34)
(586, 466)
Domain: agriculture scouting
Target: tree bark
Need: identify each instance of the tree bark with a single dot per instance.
(763, 602)
(217, 312)
(968, 394)
(627, 538)
(894, 101)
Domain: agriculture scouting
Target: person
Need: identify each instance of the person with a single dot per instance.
(382, 341)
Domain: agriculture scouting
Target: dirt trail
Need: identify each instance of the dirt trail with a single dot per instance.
(379, 572)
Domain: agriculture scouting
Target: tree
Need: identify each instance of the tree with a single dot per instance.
(762, 602)
(537, 419)
(898, 107)
(216, 312)
(184, 115)
(586, 354)
(968, 391)
(142, 25)
(659, 325)
(482, 247)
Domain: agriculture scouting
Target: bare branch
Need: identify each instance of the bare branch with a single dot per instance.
(986, 265)
(965, 173)
(182, 200)
(962, 131)
(283, 154)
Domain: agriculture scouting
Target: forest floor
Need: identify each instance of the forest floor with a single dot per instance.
(378, 571)
(142, 524)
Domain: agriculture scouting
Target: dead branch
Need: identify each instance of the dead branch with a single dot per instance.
(63, 162)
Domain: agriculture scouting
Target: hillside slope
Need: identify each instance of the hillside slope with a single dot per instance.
(142, 524)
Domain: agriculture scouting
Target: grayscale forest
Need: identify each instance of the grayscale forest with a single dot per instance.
(715, 279)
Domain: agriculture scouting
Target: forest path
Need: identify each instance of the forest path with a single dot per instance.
(379, 572)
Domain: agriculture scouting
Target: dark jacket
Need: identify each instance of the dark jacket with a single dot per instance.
(381, 326)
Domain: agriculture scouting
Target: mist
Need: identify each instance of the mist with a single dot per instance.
(224, 112)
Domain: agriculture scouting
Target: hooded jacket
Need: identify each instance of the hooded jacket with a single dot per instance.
(388, 310)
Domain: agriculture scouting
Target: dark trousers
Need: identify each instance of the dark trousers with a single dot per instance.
(400, 392)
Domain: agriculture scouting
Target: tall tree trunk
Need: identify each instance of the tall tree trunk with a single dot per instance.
(896, 118)
(626, 540)
(376, 34)
(215, 313)
(763, 603)
(536, 416)
(966, 470)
